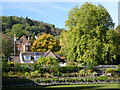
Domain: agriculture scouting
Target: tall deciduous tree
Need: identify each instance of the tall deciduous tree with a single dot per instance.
(44, 43)
(118, 30)
(7, 45)
(90, 38)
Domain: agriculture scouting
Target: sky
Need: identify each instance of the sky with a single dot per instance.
(51, 12)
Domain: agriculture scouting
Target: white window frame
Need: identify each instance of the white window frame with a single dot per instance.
(28, 57)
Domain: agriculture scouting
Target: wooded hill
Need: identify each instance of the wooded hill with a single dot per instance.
(26, 26)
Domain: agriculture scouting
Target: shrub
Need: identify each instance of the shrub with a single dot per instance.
(89, 79)
(5, 66)
(26, 73)
(34, 72)
(118, 68)
(47, 61)
(43, 69)
(69, 69)
(89, 71)
(47, 75)
(102, 78)
(82, 72)
(90, 67)
(110, 70)
(94, 73)
(11, 73)
(17, 67)
(24, 69)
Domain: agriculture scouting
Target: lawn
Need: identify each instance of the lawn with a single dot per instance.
(69, 87)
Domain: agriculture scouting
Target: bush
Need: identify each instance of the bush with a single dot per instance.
(34, 72)
(26, 73)
(17, 67)
(94, 73)
(110, 70)
(82, 72)
(90, 67)
(43, 70)
(69, 69)
(24, 69)
(118, 68)
(5, 66)
(102, 78)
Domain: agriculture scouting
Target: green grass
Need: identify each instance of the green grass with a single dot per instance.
(87, 86)
(69, 87)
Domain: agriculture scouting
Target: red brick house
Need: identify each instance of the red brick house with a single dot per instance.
(23, 44)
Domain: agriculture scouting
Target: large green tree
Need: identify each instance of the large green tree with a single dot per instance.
(7, 45)
(18, 30)
(44, 43)
(90, 37)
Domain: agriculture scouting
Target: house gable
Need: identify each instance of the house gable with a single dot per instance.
(50, 54)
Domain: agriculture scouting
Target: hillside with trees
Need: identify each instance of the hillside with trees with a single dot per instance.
(23, 27)
(28, 27)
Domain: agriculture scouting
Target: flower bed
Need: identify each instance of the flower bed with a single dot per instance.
(75, 80)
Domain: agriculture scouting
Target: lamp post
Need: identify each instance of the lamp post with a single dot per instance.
(14, 47)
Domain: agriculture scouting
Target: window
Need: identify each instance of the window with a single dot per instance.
(36, 57)
(26, 43)
(36, 53)
(26, 48)
(27, 57)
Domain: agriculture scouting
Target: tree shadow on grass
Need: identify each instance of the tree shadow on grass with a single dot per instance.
(12, 82)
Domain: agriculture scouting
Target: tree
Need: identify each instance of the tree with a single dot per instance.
(7, 45)
(90, 38)
(118, 27)
(18, 30)
(10, 22)
(118, 33)
(44, 43)
(47, 61)
(50, 62)
(93, 16)
(63, 43)
(29, 26)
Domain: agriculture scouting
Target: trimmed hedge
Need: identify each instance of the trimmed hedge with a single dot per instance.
(69, 69)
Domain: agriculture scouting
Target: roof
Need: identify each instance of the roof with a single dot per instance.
(17, 59)
(45, 54)
(50, 54)
(33, 53)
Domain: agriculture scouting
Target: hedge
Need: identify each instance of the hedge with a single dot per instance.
(69, 69)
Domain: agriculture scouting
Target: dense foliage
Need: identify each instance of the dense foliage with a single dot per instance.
(7, 45)
(29, 27)
(44, 43)
(23, 26)
(90, 38)
(47, 61)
